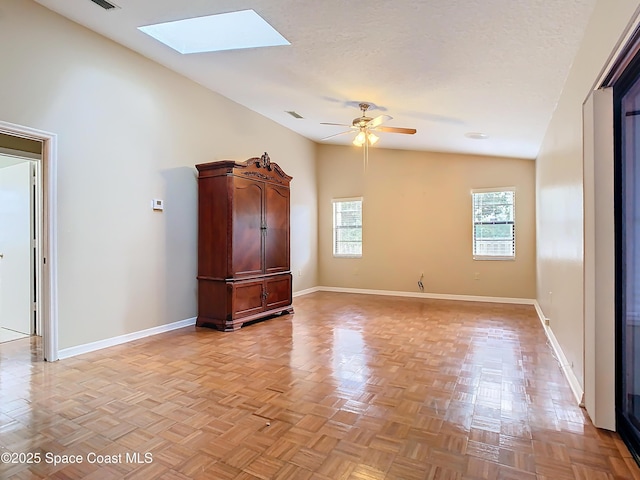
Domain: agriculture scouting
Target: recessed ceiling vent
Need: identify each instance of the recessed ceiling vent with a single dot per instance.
(104, 4)
(294, 114)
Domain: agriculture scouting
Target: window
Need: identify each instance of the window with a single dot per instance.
(347, 227)
(494, 234)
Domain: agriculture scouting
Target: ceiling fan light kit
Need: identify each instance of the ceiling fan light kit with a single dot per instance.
(364, 126)
(360, 139)
(363, 137)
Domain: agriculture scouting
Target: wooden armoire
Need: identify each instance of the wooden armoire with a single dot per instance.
(243, 242)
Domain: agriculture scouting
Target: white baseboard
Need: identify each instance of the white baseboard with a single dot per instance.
(129, 337)
(565, 365)
(436, 296)
(306, 291)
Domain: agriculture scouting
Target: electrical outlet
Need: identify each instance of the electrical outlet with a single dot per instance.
(476, 276)
(300, 272)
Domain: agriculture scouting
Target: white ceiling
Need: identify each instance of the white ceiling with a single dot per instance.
(444, 67)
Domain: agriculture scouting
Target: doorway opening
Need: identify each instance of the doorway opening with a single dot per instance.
(20, 213)
(44, 226)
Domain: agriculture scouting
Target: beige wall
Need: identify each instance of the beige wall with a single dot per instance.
(128, 131)
(417, 218)
(559, 186)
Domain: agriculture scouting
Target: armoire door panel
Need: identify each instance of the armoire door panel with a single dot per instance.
(278, 290)
(277, 234)
(248, 228)
(248, 298)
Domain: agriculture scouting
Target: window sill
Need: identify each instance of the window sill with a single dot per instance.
(346, 256)
(483, 258)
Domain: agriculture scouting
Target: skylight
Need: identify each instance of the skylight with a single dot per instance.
(226, 31)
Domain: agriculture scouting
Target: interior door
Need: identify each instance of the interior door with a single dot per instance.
(15, 247)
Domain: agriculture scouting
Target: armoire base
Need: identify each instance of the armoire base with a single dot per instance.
(231, 325)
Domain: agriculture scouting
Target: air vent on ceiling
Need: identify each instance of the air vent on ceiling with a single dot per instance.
(104, 4)
(294, 114)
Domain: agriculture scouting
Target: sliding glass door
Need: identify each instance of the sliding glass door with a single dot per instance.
(627, 192)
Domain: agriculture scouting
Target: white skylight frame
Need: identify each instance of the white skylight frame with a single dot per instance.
(212, 33)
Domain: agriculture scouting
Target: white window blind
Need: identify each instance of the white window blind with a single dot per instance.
(347, 227)
(494, 233)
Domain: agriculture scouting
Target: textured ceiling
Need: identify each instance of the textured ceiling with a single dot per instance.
(444, 67)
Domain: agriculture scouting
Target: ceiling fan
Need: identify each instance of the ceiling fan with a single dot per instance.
(365, 126)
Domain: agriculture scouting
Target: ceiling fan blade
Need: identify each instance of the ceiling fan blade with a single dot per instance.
(379, 120)
(339, 124)
(409, 131)
(336, 135)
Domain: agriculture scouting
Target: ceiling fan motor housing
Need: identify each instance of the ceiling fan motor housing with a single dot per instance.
(361, 122)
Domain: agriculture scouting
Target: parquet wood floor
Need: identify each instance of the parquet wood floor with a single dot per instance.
(351, 387)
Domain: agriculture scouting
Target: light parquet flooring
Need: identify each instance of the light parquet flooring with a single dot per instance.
(7, 335)
(350, 387)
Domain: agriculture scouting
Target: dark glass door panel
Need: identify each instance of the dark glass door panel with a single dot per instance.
(628, 263)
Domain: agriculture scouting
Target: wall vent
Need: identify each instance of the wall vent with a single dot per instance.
(104, 4)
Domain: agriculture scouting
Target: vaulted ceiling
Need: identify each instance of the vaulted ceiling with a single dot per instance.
(444, 67)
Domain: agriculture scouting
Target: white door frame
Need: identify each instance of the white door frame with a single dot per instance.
(47, 267)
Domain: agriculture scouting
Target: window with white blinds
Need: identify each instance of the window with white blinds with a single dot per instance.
(494, 232)
(347, 227)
